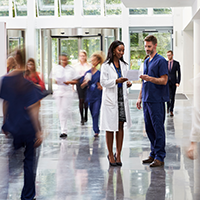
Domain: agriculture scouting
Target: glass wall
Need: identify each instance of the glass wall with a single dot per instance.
(70, 47)
(66, 7)
(91, 7)
(102, 7)
(138, 11)
(113, 7)
(45, 7)
(162, 11)
(4, 8)
(146, 11)
(91, 45)
(137, 51)
(38, 51)
(21, 7)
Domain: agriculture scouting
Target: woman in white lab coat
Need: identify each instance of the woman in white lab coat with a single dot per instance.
(114, 107)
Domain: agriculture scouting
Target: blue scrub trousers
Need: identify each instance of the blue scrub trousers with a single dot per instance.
(26, 139)
(154, 116)
(95, 110)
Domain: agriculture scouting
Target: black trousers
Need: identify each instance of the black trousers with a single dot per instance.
(172, 92)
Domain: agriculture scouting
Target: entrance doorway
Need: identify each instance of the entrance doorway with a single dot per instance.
(71, 41)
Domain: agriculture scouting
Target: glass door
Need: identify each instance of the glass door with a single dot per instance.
(137, 51)
(71, 47)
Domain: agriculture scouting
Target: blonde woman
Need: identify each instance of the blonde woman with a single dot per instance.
(11, 64)
(81, 68)
(91, 81)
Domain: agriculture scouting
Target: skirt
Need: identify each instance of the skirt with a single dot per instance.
(121, 108)
(81, 91)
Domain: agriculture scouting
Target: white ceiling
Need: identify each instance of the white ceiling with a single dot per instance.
(157, 3)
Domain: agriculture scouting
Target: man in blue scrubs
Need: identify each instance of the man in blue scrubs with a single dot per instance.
(21, 122)
(154, 93)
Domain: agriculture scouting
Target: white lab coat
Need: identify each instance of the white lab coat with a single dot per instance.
(109, 120)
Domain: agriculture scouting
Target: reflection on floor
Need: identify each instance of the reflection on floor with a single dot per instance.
(76, 168)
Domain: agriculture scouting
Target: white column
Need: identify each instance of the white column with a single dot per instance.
(196, 88)
(187, 67)
(125, 33)
(2, 54)
(2, 48)
(78, 12)
(10, 9)
(56, 8)
(30, 39)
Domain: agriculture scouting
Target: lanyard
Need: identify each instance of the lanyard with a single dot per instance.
(119, 74)
(118, 71)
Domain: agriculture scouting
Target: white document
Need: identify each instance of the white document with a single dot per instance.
(133, 75)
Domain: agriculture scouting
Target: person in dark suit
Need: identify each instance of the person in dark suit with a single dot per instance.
(174, 79)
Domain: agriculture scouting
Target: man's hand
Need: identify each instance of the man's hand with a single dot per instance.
(138, 104)
(39, 139)
(145, 77)
(177, 85)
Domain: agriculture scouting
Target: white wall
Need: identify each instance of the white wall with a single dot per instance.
(2, 54)
(178, 42)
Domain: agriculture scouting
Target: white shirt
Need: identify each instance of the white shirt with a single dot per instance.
(81, 69)
(62, 74)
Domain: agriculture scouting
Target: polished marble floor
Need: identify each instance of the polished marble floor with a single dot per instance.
(76, 168)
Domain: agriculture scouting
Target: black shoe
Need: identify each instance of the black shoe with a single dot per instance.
(96, 135)
(85, 120)
(82, 122)
(111, 164)
(63, 135)
(118, 163)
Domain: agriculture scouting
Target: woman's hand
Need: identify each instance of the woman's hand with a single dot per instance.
(121, 80)
(191, 153)
(84, 84)
(66, 83)
(129, 84)
(99, 86)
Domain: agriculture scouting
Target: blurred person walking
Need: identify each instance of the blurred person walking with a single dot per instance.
(64, 76)
(114, 107)
(154, 93)
(81, 68)
(91, 81)
(11, 64)
(32, 75)
(174, 79)
(21, 121)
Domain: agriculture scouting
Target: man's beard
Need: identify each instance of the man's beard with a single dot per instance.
(149, 52)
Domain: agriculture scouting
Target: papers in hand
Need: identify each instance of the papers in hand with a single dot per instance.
(88, 77)
(133, 75)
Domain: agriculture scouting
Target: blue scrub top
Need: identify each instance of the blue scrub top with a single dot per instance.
(93, 93)
(152, 92)
(20, 94)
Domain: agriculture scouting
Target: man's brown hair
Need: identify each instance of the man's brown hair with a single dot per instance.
(170, 51)
(151, 38)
